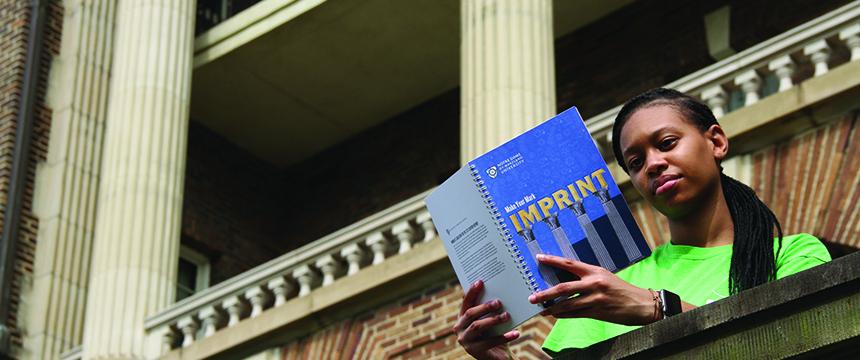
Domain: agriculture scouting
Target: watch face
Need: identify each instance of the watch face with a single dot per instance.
(671, 303)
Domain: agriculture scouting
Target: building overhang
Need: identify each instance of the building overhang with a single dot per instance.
(286, 79)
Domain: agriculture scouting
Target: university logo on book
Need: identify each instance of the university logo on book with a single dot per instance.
(493, 172)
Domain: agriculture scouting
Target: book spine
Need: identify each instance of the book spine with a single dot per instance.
(510, 244)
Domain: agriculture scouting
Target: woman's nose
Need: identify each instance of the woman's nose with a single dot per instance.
(655, 163)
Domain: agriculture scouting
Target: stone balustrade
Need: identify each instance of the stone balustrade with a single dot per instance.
(296, 274)
(776, 65)
(807, 51)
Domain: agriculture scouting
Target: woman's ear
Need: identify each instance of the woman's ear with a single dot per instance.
(719, 141)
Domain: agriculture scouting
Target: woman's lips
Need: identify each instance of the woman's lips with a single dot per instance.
(668, 185)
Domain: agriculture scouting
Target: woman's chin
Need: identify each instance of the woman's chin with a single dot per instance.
(673, 205)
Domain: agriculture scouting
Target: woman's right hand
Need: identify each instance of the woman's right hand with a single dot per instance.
(474, 323)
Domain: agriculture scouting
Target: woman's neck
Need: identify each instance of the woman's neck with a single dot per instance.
(707, 226)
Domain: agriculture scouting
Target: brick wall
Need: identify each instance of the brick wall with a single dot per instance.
(231, 207)
(374, 170)
(14, 29)
(652, 43)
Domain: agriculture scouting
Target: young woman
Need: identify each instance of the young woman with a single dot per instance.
(722, 236)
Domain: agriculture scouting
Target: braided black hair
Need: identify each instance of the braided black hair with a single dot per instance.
(753, 258)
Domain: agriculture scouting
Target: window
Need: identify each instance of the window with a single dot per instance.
(193, 273)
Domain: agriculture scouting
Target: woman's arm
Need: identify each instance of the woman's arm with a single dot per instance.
(599, 294)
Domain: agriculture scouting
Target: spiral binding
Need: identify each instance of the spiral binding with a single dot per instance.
(502, 228)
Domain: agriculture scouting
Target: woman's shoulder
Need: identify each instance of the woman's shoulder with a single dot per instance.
(802, 244)
(799, 252)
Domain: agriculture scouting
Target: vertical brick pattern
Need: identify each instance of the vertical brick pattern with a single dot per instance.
(812, 182)
(14, 30)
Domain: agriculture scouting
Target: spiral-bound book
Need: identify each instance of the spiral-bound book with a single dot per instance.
(547, 191)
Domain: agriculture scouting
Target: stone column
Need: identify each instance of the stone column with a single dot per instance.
(137, 234)
(68, 181)
(507, 71)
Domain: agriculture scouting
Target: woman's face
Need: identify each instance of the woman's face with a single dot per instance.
(672, 163)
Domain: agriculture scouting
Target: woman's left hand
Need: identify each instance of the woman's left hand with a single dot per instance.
(598, 294)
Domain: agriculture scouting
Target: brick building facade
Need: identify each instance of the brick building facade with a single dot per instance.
(241, 211)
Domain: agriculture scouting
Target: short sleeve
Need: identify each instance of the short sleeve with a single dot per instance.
(800, 252)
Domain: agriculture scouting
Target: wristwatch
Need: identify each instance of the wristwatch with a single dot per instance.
(671, 303)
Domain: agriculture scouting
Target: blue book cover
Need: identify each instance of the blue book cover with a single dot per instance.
(546, 191)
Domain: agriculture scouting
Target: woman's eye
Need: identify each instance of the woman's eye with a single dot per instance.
(634, 163)
(667, 143)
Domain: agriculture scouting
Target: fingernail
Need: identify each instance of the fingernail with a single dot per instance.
(506, 316)
(532, 298)
(540, 257)
(476, 283)
(497, 303)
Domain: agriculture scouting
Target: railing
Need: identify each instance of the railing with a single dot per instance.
(214, 12)
(295, 274)
(775, 65)
(740, 80)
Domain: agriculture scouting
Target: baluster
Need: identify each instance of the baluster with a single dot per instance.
(783, 67)
(354, 255)
(169, 339)
(379, 245)
(851, 37)
(426, 223)
(330, 267)
(211, 318)
(750, 83)
(235, 307)
(188, 325)
(306, 277)
(819, 54)
(716, 99)
(258, 298)
(404, 233)
(281, 286)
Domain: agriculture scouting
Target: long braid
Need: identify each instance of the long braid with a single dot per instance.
(753, 259)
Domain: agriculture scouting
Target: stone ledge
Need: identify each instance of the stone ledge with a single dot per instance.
(812, 313)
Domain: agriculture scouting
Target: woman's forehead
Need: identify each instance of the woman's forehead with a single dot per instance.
(648, 121)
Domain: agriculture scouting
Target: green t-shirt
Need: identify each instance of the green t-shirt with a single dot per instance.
(698, 275)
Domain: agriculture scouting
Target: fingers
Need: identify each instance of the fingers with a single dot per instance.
(476, 329)
(471, 314)
(565, 289)
(579, 306)
(575, 267)
(471, 297)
